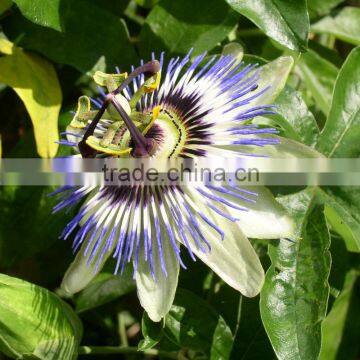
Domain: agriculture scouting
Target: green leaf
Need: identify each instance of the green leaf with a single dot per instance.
(293, 115)
(147, 4)
(36, 83)
(319, 76)
(152, 333)
(52, 14)
(340, 136)
(192, 323)
(337, 341)
(327, 52)
(103, 289)
(36, 323)
(5, 5)
(175, 26)
(345, 25)
(251, 341)
(116, 7)
(286, 22)
(342, 210)
(321, 7)
(294, 298)
(92, 35)
(25, 218)
(42, 12)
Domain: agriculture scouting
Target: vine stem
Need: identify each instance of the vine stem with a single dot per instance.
(103, 350)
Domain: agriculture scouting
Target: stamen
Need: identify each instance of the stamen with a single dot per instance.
(143, 146)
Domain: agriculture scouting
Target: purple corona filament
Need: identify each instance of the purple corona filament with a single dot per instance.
(213, 103)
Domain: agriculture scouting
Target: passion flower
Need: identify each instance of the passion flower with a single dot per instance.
(200, 108)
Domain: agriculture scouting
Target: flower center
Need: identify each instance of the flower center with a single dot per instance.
(142, 146)
(169, 133)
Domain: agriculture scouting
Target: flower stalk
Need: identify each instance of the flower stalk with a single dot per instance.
(107, 350)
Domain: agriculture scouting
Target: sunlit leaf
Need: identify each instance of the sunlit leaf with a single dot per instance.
(285, 22)
(345, 25)
(36, 83)
(42, 12)
(340, 136)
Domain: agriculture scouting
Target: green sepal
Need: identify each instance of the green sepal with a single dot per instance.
(111, 81)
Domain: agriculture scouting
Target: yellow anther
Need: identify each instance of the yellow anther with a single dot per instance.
(151, 86)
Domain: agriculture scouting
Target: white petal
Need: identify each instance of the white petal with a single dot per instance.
(235, 49)
(79, 274)
(233, 258)
(286, 148)
(235, 261)
(274, 74)
(156, 296)
(266, 219)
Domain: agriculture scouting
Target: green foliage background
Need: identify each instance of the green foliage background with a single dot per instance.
(309, 306)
